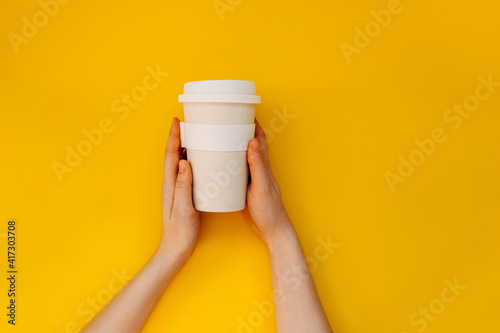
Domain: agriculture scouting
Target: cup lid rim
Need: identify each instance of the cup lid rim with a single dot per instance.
(222, 91)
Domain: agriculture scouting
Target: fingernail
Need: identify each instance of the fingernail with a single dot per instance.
(182, 166)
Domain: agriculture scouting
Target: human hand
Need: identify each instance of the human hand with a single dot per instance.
(300, 309)
(263, 196)
(181, 222)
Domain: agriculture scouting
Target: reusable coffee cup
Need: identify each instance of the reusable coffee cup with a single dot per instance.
(219, 122)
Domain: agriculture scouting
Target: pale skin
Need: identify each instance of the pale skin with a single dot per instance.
(297, 305)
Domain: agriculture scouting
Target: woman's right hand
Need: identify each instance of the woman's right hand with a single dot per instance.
(263, 196)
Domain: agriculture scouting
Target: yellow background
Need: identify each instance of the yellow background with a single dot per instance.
(352, 121)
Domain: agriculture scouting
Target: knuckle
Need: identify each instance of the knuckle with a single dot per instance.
(180, 183)
(185, 211)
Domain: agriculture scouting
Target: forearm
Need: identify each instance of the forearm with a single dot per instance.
(298, 308)
(129, 309)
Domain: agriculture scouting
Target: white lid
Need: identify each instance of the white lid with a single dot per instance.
(220, 91)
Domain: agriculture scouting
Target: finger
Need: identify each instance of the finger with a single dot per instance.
(183, 198)
(172, 153)
(259, 168)
(174, 138)
(261, 136)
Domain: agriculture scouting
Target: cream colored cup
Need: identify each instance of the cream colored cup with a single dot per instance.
(219, 121)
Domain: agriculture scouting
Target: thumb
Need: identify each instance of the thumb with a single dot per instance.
(259, 169)
(183, 197)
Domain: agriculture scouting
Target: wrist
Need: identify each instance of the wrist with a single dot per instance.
(171, 258)
(282, 233)
(162, 268)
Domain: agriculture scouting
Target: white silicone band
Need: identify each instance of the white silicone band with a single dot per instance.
(219, 98)
(216, 137)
